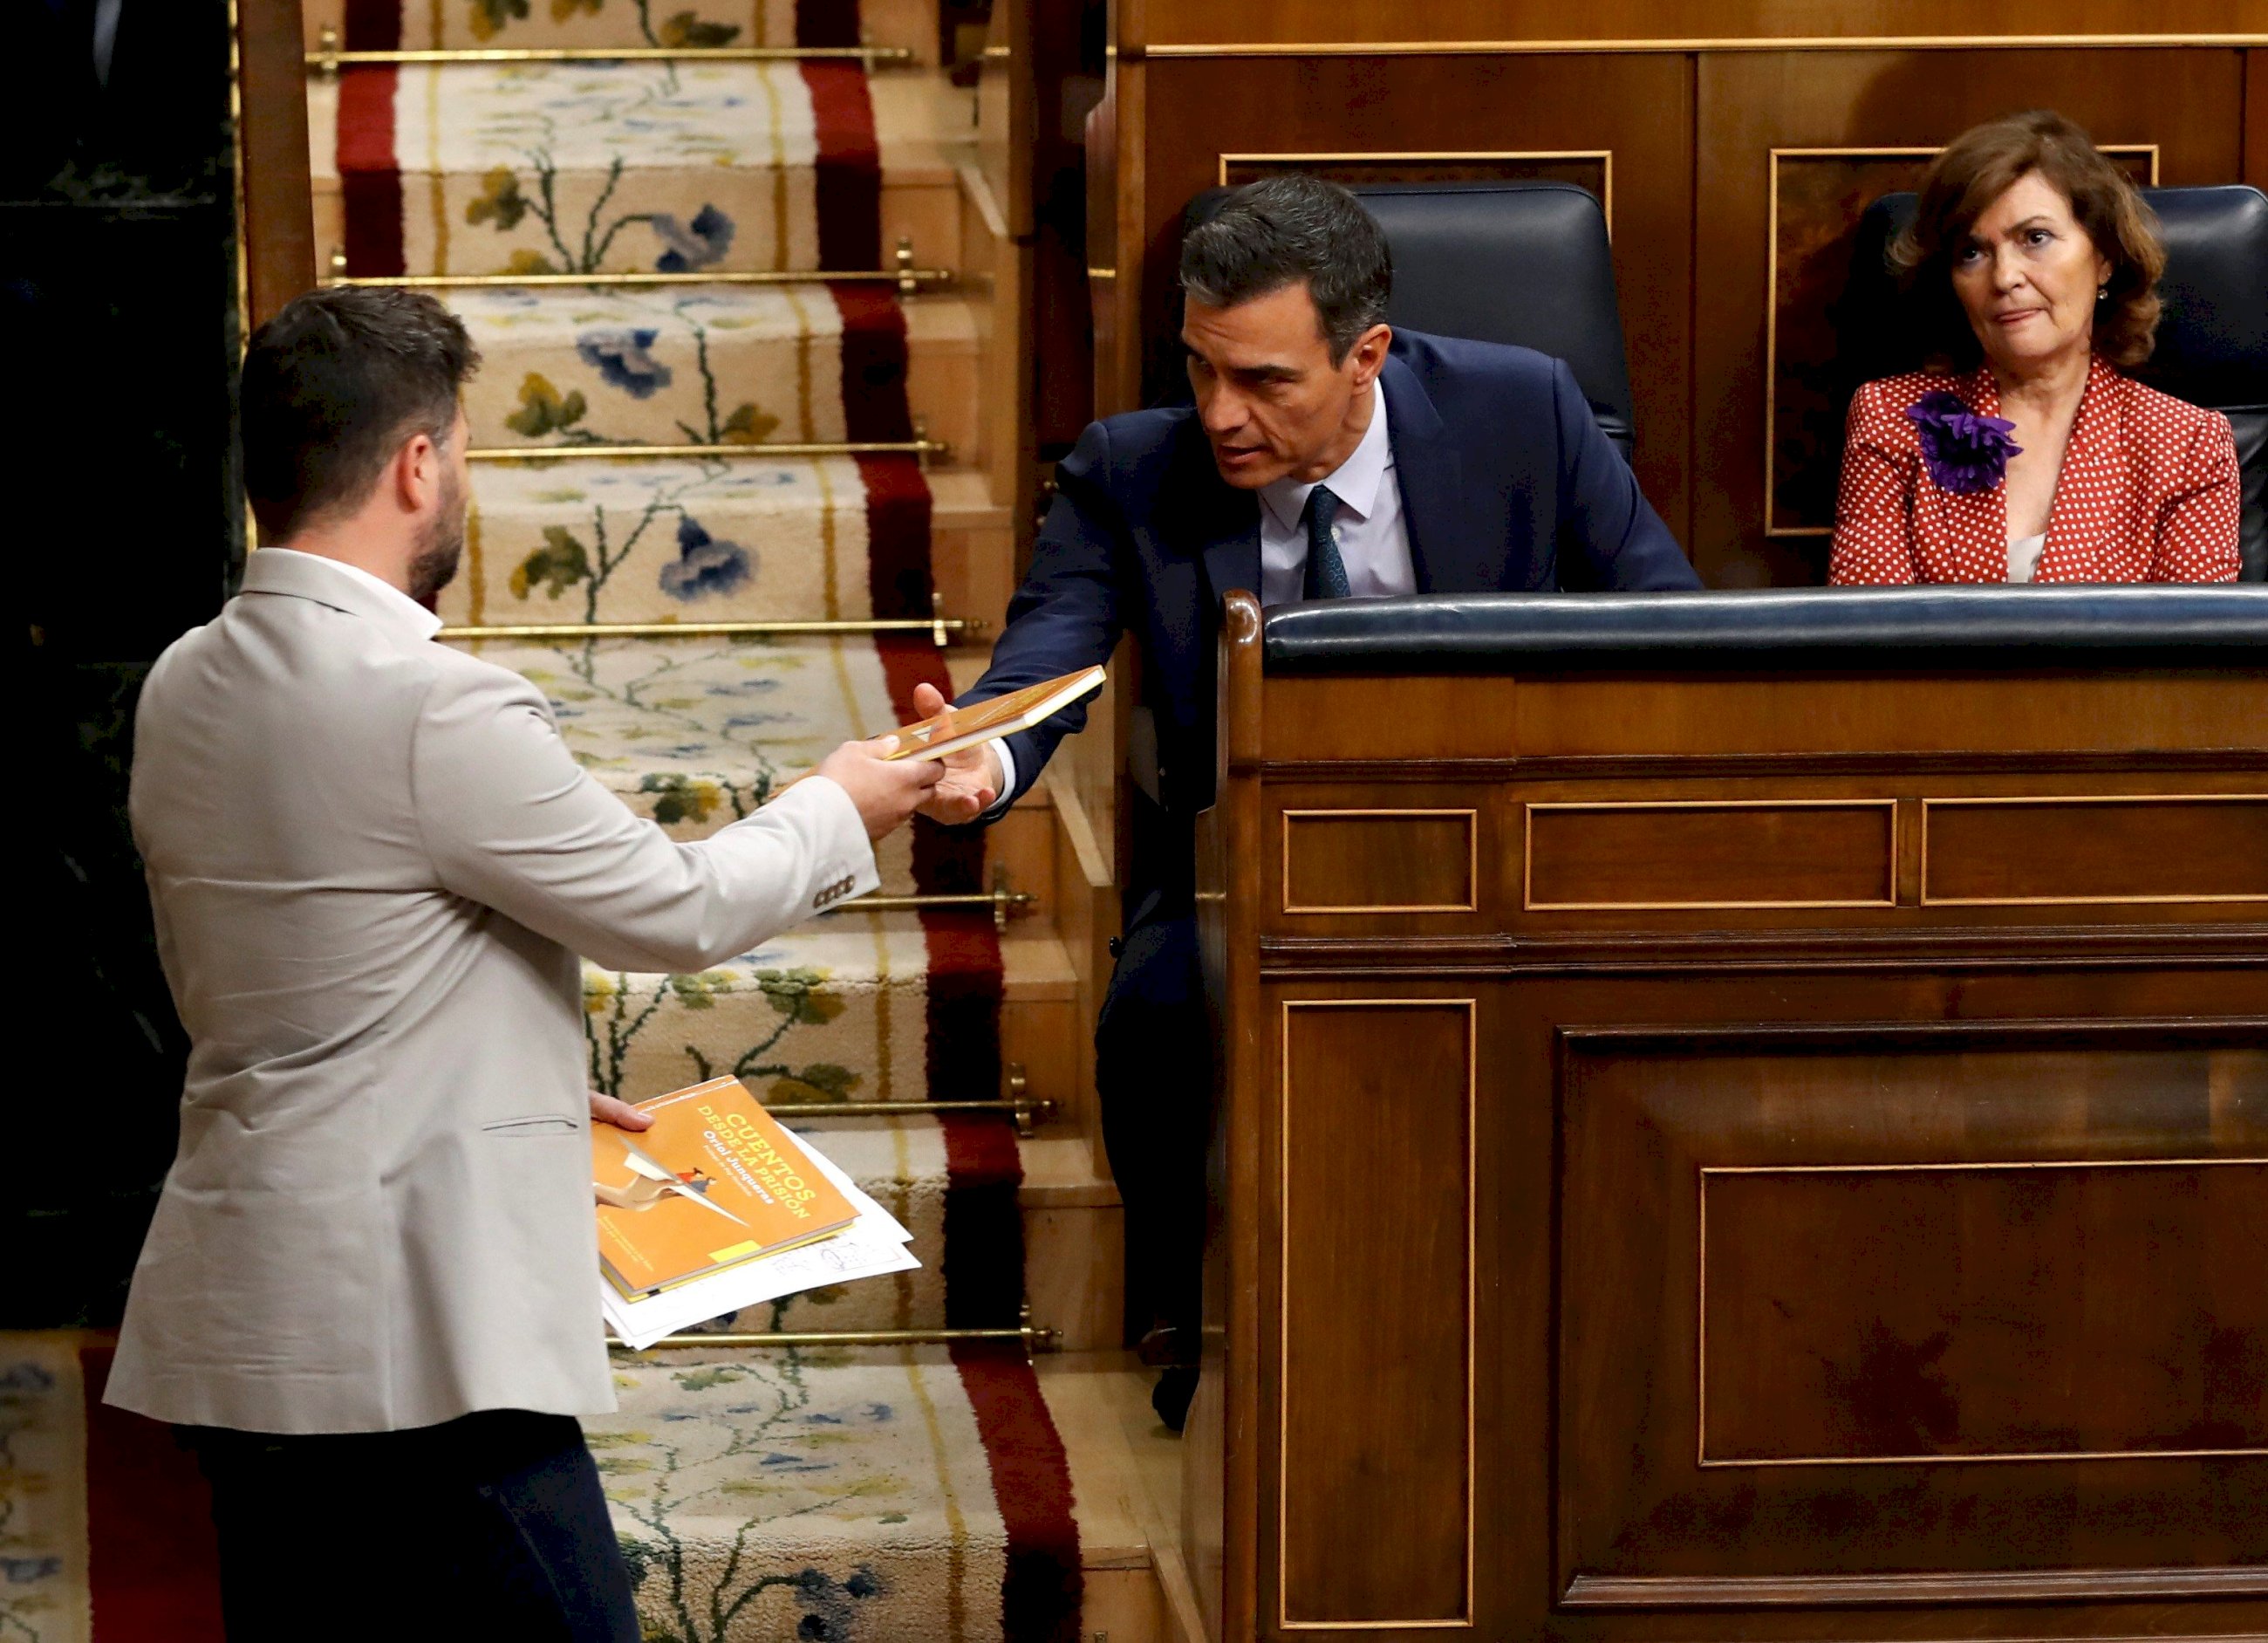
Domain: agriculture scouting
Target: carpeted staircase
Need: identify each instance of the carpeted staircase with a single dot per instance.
(897, 1492)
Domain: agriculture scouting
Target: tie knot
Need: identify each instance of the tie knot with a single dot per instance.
(1323, 508)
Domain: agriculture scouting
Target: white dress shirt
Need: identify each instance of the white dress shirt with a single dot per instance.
(1372, 538)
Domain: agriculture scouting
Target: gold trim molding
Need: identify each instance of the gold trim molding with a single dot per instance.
(1470, 905)
(1701, 1315)
(1805, 42)
(1471, 1007)
(1604, 156)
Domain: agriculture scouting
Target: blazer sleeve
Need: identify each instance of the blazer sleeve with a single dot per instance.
(2197, 524)
(1606, 526)
(511, 821)
(1067, 613)
(1873, 509)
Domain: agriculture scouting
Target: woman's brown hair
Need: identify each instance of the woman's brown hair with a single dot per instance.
(1984, 163)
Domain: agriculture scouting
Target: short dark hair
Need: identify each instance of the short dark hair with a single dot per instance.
(1285, 229)
(1984, 163)
(331, 387)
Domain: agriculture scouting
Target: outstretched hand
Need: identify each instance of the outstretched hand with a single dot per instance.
(971, 781)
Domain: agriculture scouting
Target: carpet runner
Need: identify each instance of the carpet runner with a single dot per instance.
(843, 1495)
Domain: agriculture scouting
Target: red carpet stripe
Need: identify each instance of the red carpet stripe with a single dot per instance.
(153, 1563)
(1040, 1592)
(850, 168)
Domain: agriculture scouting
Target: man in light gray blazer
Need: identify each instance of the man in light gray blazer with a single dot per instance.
(370, 1288)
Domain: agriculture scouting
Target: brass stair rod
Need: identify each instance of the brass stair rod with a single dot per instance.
(915, 446)
(327, 59)
(1033, 1339)
(901, 272)
(1026, 1108)
(1003, 900)
(941, 629)
(708, 276)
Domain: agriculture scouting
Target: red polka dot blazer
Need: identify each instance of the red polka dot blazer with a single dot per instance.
(2148, 492)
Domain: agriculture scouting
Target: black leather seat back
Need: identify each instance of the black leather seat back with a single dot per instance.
(1520, 263)
(2212, 337)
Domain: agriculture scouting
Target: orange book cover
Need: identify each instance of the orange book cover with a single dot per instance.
(714, 1181)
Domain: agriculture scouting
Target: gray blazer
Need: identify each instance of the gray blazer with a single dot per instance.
(372, 862)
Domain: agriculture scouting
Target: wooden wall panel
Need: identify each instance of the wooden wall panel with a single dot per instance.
(2189, 102)
(1857, 1310)
(1943, 1310)
(1638, 107)
(2015, 852)
(1377, 1189)
(1362, 22)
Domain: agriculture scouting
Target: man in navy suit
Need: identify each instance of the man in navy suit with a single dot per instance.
(1326, 456)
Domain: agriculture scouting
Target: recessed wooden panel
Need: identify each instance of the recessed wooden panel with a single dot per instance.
(2019, 851)
(1374, 1516)
(1817, 198)
(1734, 853)
(2003, 1312)
(2188, 103)
(1380, 861)
(1875, 1374)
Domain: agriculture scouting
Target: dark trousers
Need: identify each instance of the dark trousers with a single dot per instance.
(1153, 1072)
(490, 1526)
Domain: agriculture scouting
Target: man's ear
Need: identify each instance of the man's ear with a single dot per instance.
(417, 472)
(1369, 354)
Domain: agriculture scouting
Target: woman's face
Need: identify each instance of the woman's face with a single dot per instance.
(2027, 275)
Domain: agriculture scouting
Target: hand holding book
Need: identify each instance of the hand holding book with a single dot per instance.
(971, 780)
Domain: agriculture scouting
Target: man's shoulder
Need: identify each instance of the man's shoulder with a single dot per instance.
(1453, 365)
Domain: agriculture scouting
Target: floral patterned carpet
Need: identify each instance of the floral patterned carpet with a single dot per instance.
(898, 1493)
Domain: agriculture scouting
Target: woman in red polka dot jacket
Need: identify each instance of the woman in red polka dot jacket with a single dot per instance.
(2027, 454)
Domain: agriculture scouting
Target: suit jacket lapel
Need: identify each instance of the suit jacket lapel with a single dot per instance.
(2090, 466)
(1216, 521)
(1427, 470)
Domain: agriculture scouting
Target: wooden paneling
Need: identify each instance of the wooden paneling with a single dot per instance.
(1380, 861)
(1637, 107)
(2189, 102)
(1357, 23)
(1375, 1141)
(279, 224)
(2256, 119)
(2012, 851)
(1696, 854)
(1857, 1312)
(2005, 1311)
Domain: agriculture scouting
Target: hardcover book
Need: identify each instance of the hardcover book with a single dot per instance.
(959, 727)
(714, 1181)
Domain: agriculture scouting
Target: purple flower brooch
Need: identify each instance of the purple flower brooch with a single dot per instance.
(1964, 452)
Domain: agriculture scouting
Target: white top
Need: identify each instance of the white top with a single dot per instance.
(1372, 538)
(2024, 556)
(399, 603)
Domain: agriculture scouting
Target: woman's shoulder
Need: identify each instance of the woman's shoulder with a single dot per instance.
(2158, 419)
(1878, 408)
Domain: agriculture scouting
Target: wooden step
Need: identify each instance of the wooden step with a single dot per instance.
(925, 127)
(972, 550)
(1126, 1471)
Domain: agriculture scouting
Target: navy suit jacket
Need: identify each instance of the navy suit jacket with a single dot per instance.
(1507, 485)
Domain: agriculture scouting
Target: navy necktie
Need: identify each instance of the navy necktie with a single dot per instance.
(1326, 576)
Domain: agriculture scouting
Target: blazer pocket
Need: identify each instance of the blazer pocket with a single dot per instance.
(533, 1123)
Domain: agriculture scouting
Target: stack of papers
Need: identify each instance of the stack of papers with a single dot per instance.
(873, 1245)
(717, 1208)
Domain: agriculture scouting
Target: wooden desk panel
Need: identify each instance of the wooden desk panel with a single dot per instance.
(1824, 1261)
